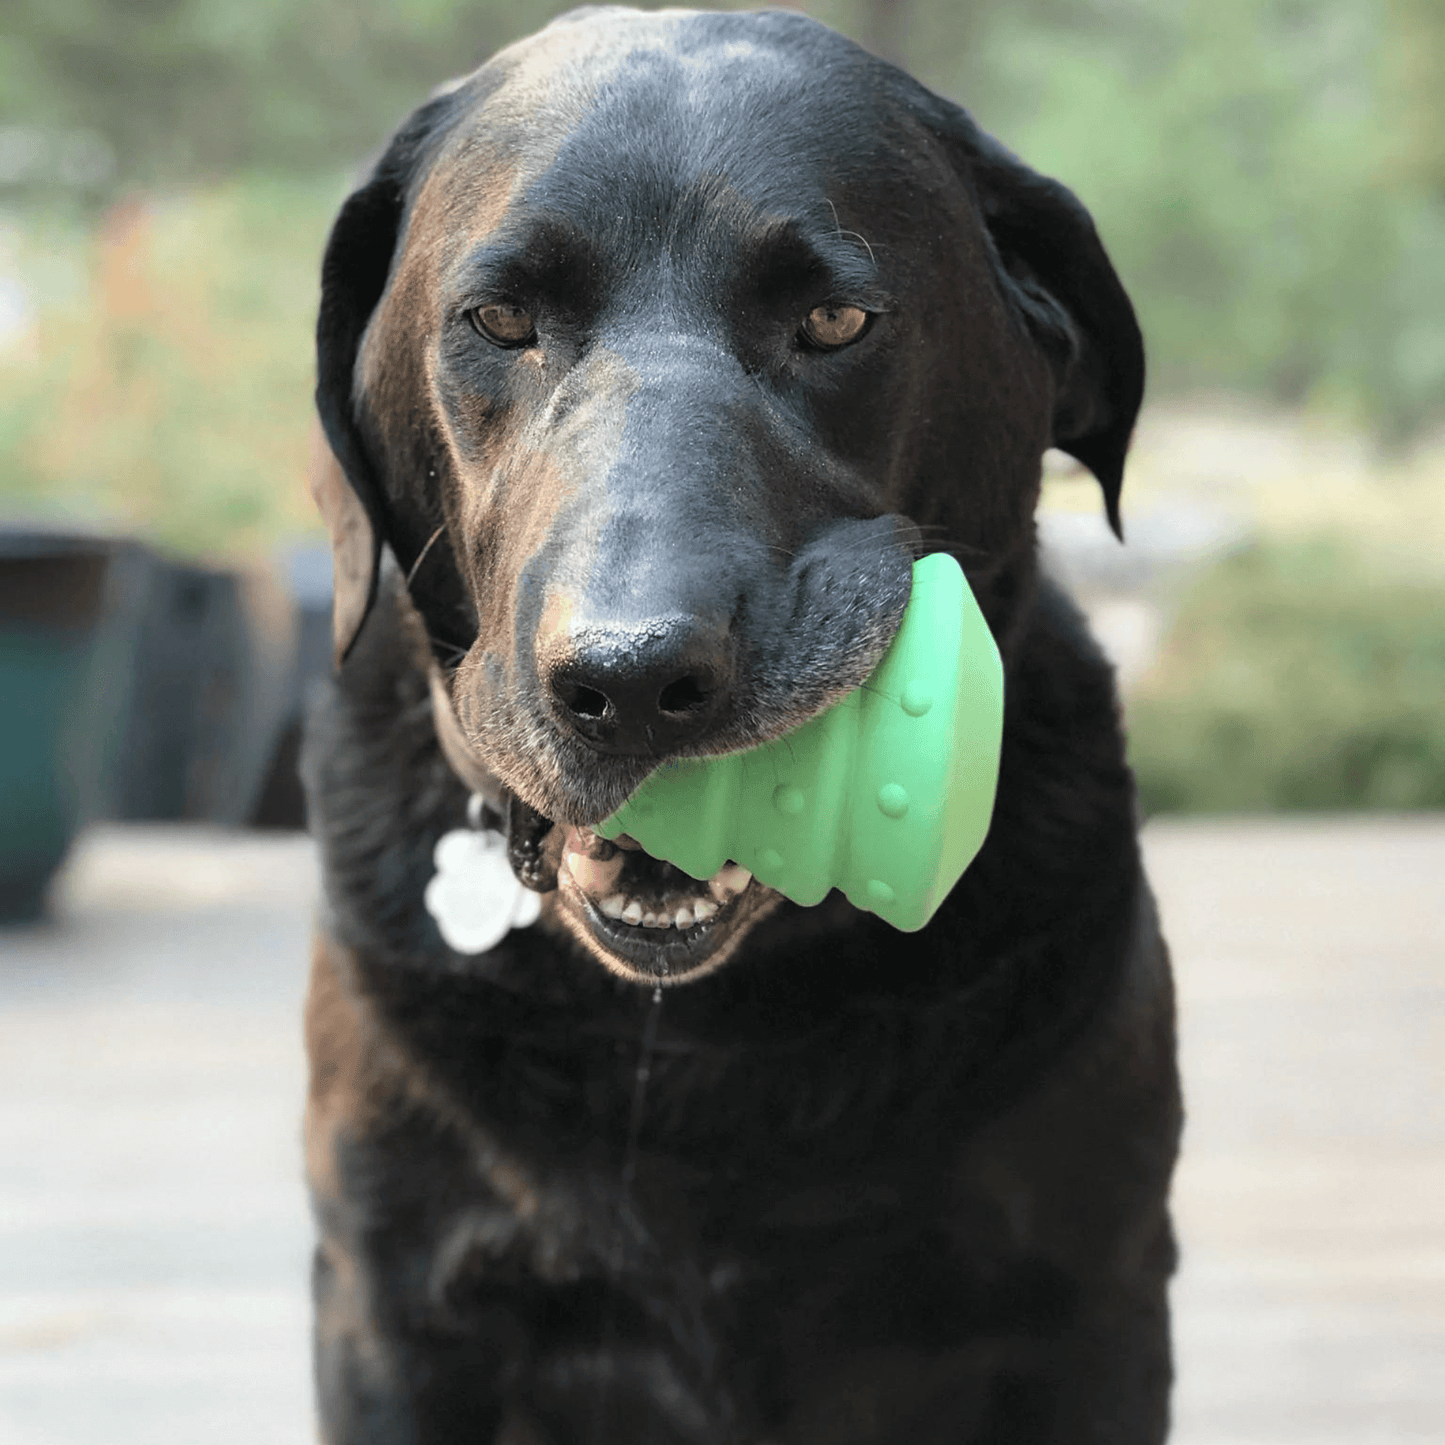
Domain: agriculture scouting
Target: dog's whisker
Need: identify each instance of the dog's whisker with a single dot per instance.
(421, 556)
(838, 227)
(448, 654)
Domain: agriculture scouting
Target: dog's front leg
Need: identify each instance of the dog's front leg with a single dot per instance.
(395, 1362)
(1114, 1387)
(383, 1380)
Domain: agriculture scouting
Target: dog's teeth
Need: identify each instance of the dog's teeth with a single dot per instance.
(598, 848)
(728, 882)
(683, 917)
(651, 920)
(632, 913)
(594, 876)
(613, 906)
(703, 909)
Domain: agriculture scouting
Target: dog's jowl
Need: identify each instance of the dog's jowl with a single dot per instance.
(651, 355)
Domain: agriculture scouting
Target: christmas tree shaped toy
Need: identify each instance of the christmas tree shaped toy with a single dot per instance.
(887, 795)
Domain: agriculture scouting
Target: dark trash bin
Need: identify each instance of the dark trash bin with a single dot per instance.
(307, 574)
(212, 664)
(69, 610)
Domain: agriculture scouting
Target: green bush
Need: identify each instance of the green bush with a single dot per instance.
(1296, 676)
(1251, 171)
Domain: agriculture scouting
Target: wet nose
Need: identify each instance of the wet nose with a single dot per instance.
(644, 689)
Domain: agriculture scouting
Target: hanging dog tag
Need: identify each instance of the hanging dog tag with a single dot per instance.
(474, 895)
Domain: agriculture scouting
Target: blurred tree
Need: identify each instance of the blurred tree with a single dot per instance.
(1417, 68)
(189, 89)
(1269, 174)
(884, 27)
(1245, 161)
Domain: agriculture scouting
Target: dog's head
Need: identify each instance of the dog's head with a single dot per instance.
(655, 350)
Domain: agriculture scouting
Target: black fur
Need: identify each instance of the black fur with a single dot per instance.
(878, 1187)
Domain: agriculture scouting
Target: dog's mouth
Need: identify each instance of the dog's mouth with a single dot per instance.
(641, 917)
(646, 919)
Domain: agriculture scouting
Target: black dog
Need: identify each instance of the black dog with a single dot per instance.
(653, 353)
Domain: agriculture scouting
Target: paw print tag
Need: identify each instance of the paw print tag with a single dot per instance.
(474, 895)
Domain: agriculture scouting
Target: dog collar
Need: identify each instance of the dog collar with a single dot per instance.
(455, 749)
(474, 895)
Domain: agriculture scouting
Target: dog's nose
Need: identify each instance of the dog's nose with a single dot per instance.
(643, 690)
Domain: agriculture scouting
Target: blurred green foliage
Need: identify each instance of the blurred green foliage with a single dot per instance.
(1269, 174)
(170, 396)
(196, 90)
(1296, 675)
(1266, 174)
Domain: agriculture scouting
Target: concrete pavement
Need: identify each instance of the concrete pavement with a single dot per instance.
(1311, 1196)
(153, 1231)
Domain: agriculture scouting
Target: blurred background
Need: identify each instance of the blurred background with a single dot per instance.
(1269, 176)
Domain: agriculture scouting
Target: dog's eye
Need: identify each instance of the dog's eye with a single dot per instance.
(504, 323)
(830, 327)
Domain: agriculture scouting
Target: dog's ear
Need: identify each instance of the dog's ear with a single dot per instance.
(354, 271)
(355, 549)
(1055, 271)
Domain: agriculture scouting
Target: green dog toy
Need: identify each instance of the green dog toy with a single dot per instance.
(887, 795)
